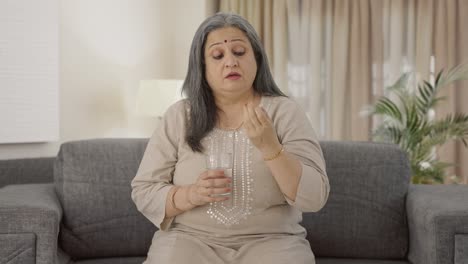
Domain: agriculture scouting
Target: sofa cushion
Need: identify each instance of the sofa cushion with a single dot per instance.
(92, 180)
(358, 261)
(18, 248)
(461, 248)
(134, 260)
(365, 216)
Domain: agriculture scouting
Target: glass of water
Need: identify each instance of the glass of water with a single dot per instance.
(220, 161)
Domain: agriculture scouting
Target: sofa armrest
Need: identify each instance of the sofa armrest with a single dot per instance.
(438, 224)
(29, 223)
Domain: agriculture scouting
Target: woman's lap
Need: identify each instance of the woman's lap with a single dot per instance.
(178, 248)
(285, 249)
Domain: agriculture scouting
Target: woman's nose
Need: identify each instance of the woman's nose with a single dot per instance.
(231, 61)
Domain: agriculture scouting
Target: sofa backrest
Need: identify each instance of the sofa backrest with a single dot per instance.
(92, 179)
(365, 216)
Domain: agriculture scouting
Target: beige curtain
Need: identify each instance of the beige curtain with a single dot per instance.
(305, 58)
(354, 49)
(450, 48)
(431, 37)
(351, 70)
(341, 54)
(269, 18)
(330, 66)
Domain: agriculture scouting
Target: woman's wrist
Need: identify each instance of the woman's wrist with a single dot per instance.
(172, 197)
(182, 200)
(187, 196)
(272, 154)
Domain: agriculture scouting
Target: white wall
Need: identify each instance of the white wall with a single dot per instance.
(29, 60)
(106, 47)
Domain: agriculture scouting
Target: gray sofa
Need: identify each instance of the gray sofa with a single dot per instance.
(86, 215)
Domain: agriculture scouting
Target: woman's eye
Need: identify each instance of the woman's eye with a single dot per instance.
(218, 56)
(239, 53)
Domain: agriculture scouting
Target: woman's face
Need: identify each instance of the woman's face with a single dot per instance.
(229, 61)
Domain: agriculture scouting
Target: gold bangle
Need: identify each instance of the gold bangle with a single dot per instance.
(176, 188)
(274, 156)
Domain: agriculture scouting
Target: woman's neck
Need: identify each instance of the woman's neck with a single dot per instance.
(228, 102)
(230, 111)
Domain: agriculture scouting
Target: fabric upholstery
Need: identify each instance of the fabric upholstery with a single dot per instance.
(461, 248)
(436, 214)
(364, 220)
(31, 170)
(62, 257)
(18, 248)
(357, 261)
(365, 214)
(133, 260)
(92, 179)
(32, 209)
(139, 260)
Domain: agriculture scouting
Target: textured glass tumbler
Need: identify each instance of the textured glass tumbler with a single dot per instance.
(220, 161)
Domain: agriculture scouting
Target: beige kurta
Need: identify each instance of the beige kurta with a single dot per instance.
(258, 224)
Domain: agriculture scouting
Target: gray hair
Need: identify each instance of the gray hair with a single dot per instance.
(203, 110)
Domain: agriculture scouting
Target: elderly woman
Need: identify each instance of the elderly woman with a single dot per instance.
(276, 169)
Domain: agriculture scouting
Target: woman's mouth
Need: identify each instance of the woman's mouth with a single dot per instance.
(233, 76)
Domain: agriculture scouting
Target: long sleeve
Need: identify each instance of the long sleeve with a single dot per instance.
(299, 139)
(154, 177)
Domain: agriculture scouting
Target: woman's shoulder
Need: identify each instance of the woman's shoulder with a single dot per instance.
(176, 113)
(177, 108)
(279, 103)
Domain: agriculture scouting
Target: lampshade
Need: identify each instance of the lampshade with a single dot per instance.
(155, 96)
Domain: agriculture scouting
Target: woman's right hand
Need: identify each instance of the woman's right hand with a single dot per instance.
(208, 185)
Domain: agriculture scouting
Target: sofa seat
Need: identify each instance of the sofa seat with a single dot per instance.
(139, 260)
(358, 261)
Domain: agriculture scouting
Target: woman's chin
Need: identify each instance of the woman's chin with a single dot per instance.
(236, 90)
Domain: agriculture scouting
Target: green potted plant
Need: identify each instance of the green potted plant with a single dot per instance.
(408, 119)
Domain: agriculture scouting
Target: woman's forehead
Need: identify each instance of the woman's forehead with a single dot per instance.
(225, 35)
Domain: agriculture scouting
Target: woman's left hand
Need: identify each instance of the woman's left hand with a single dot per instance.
(260, 130)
